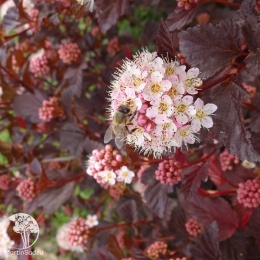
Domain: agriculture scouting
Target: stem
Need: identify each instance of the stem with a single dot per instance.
(215, 82)
(215, 193)
(221, 2)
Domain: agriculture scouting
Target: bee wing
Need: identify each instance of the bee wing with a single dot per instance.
(120, 136)
(119, 142)
(109, 134)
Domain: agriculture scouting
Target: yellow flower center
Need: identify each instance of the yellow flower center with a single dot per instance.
(184, 132)
(169, 71)
(181, 108)
(190, 83)
(200, 114)
(166, 125)
(137, 82)
(162, 107)
(173, 92)
(125, 174)
(156, 88)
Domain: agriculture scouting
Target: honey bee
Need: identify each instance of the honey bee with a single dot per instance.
(118, 128)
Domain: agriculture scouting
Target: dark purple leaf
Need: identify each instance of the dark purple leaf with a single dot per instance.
(166, 43)
(108, 12)
(11, 19)
(114, 248)
(192, 178)
(255, 114)
(100, 254)
(27, 106)
(90, 145)
(207, 245)
(253, 62)
(206, 210)
(211, 48)
(35, 166)
(253, 227)
(249, 12)
(180, 17)
(229, 122)
(72, 138)
(156, 196)
(128, 210)
(148, 176)
(234, 248)
(51, 199)
(75, 77)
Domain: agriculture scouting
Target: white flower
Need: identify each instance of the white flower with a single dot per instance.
(184, 110)
(177, 89)
(125, 175)
(192, 82)
(108, 177)
(138, 136)
(202, 116)
(184, 135)
(161, 109)
(248, 165)
(92, 221)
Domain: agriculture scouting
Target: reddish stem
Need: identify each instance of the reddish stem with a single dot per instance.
(215, 193)
(53, 183)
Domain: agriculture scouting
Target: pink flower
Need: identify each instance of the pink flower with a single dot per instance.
(27, 190)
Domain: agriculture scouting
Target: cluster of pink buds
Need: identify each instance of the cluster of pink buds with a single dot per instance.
(187, 4)
(228, 161)
(193, 227)
(169, 172)
(69, 52)
(113, 46)
(78, 232)
(248, 193)
(5, 181)
(160, 95)
(107, 166)
(117, 190)
(27, 190)
(157, 249)
(51, 109)
(39, 66)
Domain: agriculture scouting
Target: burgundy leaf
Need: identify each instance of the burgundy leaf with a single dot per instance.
(212, 48)
(27, 106)
(156, 196)
(90, 145)
(128, 210)
(72, 138)
(207, 245)
(180, 17)
(234, 248)
(51, 199)
(254, 224)
(75, 77)
(108, 12)
(215, 172)
(148, 176)
(253, 62)
(11, 19)
(192, 178)
(206, 210)
(166, 43)
(229, 122)
(35, 166)
(255, 114)
(114, 248)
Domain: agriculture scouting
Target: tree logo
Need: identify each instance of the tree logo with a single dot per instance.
(25, 225)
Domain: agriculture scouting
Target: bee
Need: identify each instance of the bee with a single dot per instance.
(118, 128)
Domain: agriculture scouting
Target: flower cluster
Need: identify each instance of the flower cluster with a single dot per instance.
(159, 94)
(34, 17)
(117, 190)
(193, 227)
(39, 65)
(155, 250)
(27, 190)
(5, 181)
(69, 52)
(228, 161)
(107, 167)
(187, 4)
(168, 172)
(78, 233)
(5, 242)
(248, 193)
(50, 109)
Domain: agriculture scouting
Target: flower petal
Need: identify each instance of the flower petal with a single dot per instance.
(193, 73)
(187, 100)
(182, 119)
(195, 125)
(210, 108)
(207, 122)
(198, 104)
(156, 77)
(166, 85)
